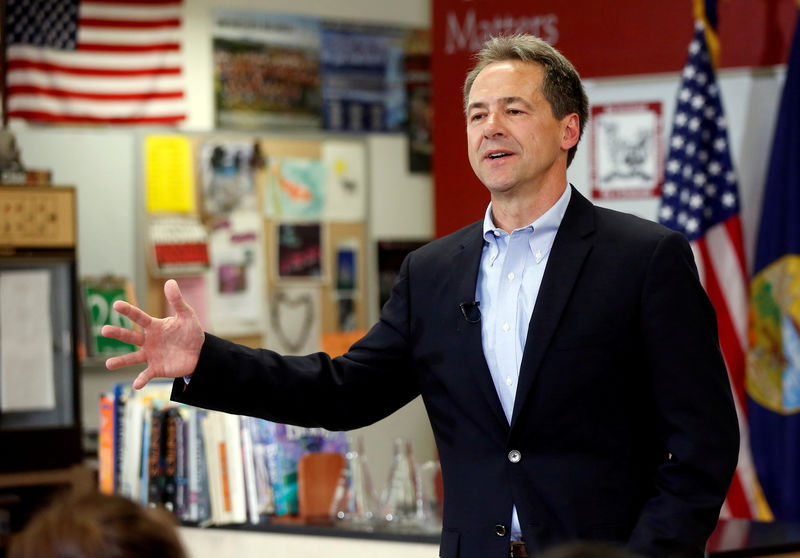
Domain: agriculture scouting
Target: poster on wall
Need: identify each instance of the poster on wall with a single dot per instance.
(295, 189)
(418, 94)
(236, 287)
(299, 251)
(169, 181)
(346, 283)
(345, 185)
(177, 246)
(227, 172)
(362, 77)
(626, 150)
(294, 320)
(266, 70)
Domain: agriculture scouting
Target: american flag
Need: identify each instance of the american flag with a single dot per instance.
(700, 199)
(95, 61)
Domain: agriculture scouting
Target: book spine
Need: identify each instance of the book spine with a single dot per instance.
(120, 400)
(144, 458)
(181, 480)
(170, 458)
(105, 440)
(202, 498)
(155, 466)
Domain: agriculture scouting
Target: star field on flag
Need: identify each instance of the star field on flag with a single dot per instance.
(699, 188)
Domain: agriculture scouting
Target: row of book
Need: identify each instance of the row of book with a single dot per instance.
(207, 467)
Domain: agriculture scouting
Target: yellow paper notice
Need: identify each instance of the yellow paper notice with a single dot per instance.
(168, 168)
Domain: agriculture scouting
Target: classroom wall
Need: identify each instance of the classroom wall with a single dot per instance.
(105, 165)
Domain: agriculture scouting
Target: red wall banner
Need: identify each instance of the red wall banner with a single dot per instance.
(601, 38)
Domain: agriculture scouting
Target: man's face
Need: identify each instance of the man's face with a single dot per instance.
(514, 142)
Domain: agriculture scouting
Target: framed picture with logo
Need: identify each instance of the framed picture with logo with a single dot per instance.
(626, 157)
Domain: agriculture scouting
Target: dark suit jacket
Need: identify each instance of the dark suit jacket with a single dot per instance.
(623, 419)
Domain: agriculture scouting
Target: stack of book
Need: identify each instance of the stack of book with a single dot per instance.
(206, 467)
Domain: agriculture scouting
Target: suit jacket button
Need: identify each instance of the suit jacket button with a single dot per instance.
(514, 456)
(500, 530)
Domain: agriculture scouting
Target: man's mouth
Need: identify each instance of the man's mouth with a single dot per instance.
(498, 155)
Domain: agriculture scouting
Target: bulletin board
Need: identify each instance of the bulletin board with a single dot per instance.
(285, 236)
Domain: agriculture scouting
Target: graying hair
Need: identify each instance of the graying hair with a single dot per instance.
(561, 85)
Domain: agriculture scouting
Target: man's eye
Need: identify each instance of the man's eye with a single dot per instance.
(476, 117)
(514, 111)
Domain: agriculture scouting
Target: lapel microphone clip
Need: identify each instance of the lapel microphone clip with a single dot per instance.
(471, 311)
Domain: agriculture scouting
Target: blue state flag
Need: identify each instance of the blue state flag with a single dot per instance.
(773, 371)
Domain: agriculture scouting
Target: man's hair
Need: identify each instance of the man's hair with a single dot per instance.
(98, 526)
(561, 85)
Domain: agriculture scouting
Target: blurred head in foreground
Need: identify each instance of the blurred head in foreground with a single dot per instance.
(98, 526)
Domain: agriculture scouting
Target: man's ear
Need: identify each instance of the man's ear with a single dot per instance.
(572, 131)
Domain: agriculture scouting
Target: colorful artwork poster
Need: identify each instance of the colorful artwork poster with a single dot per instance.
(295, 189)
(227, 170)
(266, 70)
(236, 285)
(626, 150)
(299, 251)
(363, 86)
(99, 296)
(418, 97)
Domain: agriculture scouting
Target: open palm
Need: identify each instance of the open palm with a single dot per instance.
(170, 347)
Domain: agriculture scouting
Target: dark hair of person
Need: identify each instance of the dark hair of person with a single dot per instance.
(561, 85)
(588, 549)
(98, 526)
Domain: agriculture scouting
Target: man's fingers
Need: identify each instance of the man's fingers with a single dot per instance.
(137, 316)
(125, 360)
(124, 335)
(142, 379)
(173, 294)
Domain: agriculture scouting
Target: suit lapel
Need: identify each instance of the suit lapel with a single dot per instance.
(570, 248)
(466, 262)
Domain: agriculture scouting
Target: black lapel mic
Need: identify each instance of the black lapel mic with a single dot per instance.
(471, 311)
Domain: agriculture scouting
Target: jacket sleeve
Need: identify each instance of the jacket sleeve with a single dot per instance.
(697, 422)
(371, 381)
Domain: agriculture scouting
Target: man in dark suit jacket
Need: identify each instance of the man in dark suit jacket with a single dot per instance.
(612, 419)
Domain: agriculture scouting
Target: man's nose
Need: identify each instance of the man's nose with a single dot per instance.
(494, 126)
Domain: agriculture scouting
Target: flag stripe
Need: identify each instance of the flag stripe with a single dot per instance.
(22, 64)
(75, 59)
(63, 93)
(70, 106)
(146, 3)
(746, 468)
(116, 84)
(734, 227)
(40, 116)
(132, 37)
(737, 502)
(128, 23)
(732, 351)
(725, 253)
(130, 11)
(101, 47)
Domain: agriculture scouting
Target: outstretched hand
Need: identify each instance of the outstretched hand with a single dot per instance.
(169, 346)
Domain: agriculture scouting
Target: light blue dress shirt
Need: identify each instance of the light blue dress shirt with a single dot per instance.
(511, 271)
